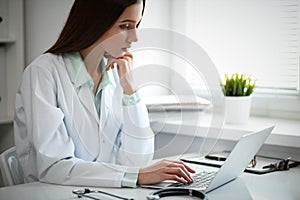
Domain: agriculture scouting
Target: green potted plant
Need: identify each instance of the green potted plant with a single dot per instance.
(237, 89)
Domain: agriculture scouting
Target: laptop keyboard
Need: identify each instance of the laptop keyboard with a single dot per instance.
(201, 180)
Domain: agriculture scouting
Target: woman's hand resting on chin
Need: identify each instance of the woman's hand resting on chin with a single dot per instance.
(165, 170)
(124, 66)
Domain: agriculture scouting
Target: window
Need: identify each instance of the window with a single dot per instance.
(254, 37)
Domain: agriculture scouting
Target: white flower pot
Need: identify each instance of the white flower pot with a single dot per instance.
(237, 109)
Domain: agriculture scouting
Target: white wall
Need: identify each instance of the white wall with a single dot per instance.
(44, 20)
(157, 15)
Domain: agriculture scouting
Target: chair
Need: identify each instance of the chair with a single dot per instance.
(11, 171)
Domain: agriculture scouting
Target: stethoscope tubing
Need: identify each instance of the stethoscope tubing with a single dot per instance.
(84, 192)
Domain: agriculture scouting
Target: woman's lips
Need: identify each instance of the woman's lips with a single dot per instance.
(125, 49)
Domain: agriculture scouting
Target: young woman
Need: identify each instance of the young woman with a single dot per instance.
(78, 118)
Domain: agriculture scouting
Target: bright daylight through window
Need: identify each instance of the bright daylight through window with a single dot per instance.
(254, 37)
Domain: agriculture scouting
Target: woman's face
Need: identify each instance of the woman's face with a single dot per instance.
(117, 40)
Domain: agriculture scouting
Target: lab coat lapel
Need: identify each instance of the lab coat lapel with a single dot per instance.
(84, 93)
(107, 98)
(106, 104)
(86, 98)
(109, 125)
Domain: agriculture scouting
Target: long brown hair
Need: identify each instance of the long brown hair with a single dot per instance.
(87, 22)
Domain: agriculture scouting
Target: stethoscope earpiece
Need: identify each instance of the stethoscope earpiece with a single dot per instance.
(153, 197)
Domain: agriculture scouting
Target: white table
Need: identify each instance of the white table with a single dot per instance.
(272, 186)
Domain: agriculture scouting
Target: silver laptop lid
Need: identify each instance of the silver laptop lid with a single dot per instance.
(240, 157)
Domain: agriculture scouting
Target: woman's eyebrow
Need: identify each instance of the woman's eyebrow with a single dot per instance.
(128, 20)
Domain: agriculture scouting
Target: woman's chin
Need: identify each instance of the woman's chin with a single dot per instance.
(122, 54)
(118, 54)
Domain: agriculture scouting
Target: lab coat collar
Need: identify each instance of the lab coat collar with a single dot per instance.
(78, 72)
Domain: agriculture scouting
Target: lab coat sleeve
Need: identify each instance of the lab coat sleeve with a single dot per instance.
(50, 141)
(137, 138)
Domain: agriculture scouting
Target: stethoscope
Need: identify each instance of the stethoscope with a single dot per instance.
(156, 195)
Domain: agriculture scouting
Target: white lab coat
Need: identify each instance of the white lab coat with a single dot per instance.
(60, 138)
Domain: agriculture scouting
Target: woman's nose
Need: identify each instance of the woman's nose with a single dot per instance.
(132, 35)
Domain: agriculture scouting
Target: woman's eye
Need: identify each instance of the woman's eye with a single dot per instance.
(125, 26)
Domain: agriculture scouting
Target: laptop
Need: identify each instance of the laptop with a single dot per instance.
(233, 166)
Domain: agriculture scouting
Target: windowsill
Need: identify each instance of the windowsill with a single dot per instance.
(281, 104)
(285, 133)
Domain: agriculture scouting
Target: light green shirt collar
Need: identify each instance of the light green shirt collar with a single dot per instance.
(80, 74)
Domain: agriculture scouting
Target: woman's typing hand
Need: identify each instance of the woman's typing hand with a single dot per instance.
(165, 170)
